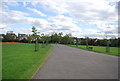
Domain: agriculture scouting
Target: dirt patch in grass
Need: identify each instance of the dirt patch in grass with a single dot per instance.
(7, 42)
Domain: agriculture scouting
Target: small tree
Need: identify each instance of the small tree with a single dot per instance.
(43, 39)
(60, 37)
(47, 39)
(76, 39)
(29, 38)
(34, 30)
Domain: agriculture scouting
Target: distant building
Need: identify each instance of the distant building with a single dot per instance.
(9, 32)
(74, 39)
(1, 37)
(22, 36)
(11, 35)
(77, 40)
(38, 36)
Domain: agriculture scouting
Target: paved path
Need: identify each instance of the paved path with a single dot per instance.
(72, 63)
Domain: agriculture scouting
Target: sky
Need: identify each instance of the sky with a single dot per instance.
(81, 18)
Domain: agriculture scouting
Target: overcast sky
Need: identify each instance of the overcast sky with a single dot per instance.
(79, 17)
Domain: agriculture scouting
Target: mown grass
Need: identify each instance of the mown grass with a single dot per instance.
(100, 49)
(20, 61)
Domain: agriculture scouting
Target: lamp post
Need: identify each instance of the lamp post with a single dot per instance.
(76, 42)
(86, 42)
(108, 42)
(107, 46)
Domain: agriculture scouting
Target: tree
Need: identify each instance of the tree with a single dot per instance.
(55, 38)
(91, 41)
(34, 30)
(43, 39)
(114, 42)
(60, 37)
(9, 37)
(30, 38)
(24, 40)
(76, 41)
(83, 42)
(66, 39)
(47, 39)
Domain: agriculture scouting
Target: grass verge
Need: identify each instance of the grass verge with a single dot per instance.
(100, 49)
(20, 61)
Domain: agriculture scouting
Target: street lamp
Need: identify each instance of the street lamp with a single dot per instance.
(86, 42)
(108, 41)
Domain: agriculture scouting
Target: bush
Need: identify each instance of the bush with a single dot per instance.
(83, 42)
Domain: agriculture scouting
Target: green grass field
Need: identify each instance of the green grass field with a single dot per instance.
(20, 61)
(100, 49)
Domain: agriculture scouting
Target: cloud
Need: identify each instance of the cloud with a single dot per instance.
(10, 3)
(82, 10)
(99, 12)
(24, 4)
(22, 30)
(98, 34)
(49, 5)
(12, 17)
(64, 24)
(90, 12)
(36, 11)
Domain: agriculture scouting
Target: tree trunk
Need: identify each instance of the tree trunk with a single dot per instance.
(46, 43)
(43, 44)
(76, 44)
(86, 44)
(107, 47)
(36, 45)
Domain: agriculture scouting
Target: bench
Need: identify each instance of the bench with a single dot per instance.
(90, 48)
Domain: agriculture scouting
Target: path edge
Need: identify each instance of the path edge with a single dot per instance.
(95, 52)
(40, 66)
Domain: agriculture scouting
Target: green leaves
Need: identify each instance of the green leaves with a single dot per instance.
(34, 30)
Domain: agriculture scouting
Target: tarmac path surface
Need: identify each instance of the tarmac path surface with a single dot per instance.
(73, 63)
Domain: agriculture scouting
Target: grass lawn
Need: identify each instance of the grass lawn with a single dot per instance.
(20, 61)
(100, 49)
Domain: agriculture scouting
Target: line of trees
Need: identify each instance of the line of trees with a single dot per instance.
(59, 38)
